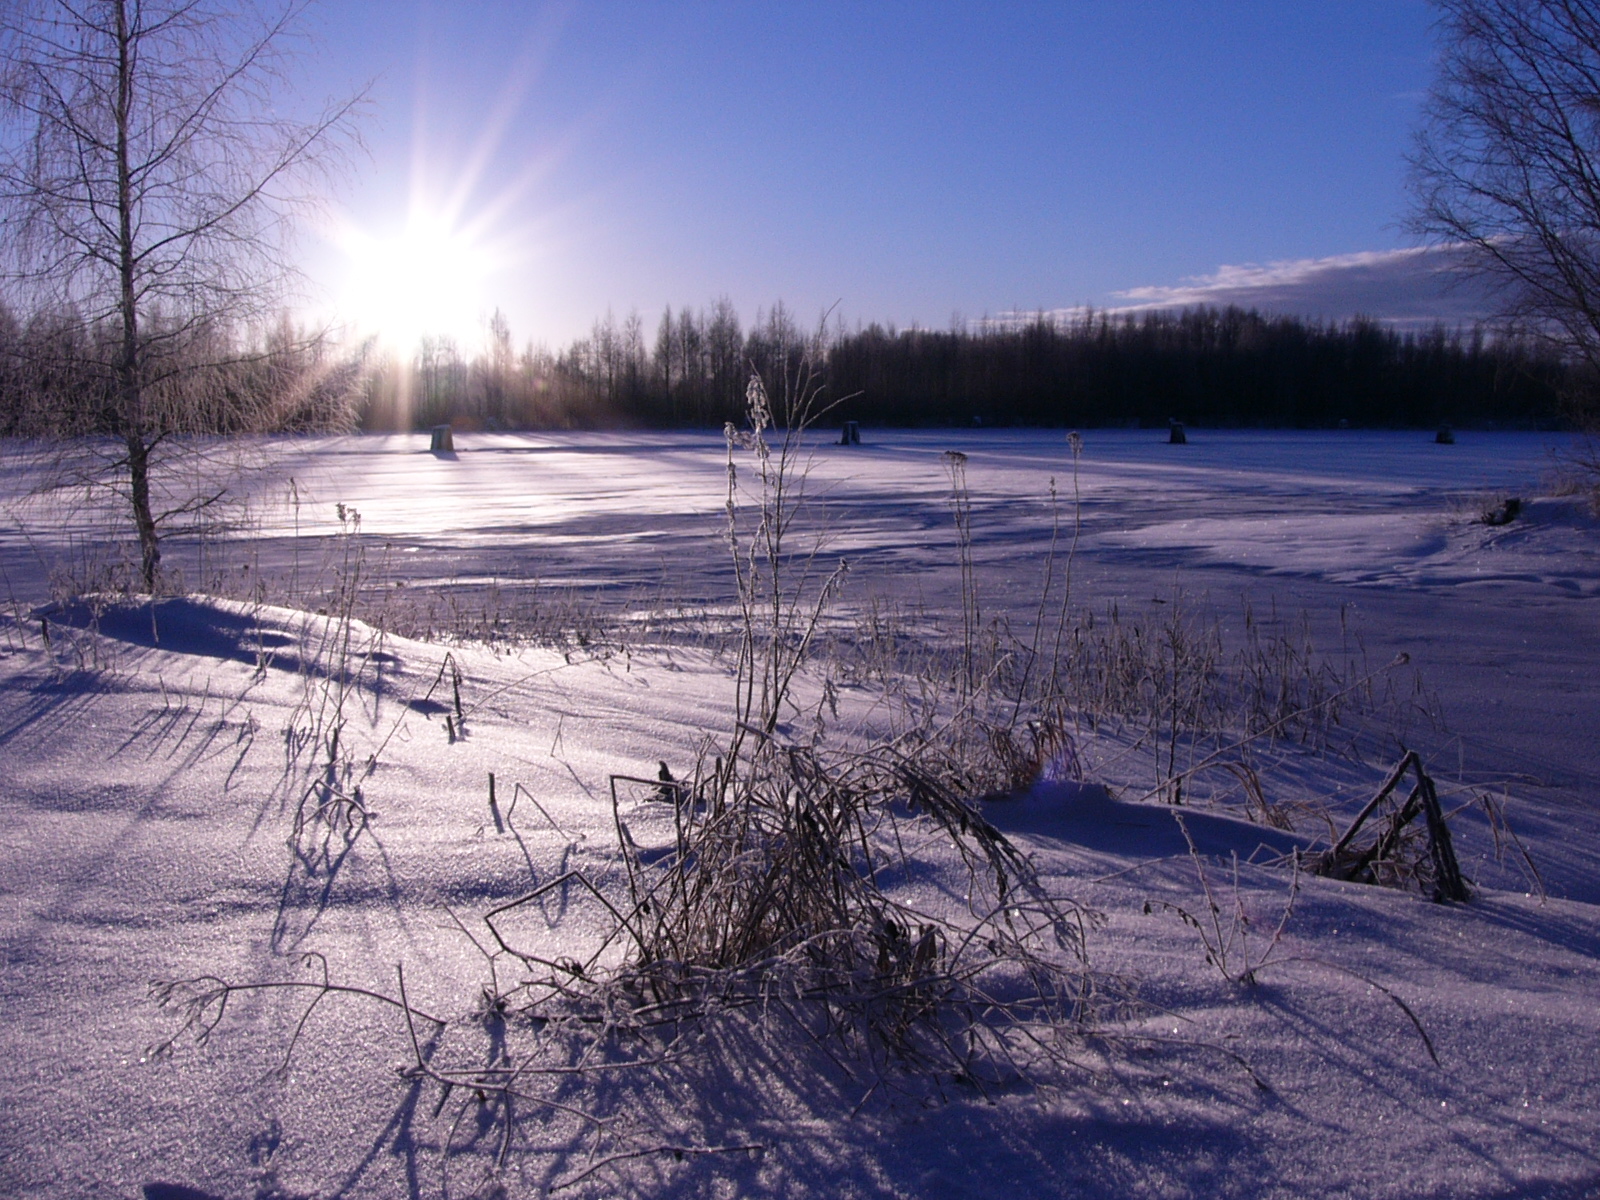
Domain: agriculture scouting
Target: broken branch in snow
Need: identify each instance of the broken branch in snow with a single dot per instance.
(1384, 860)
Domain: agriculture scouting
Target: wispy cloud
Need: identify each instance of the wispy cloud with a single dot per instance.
(1406, 288)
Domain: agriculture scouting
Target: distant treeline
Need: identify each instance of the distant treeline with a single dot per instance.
(1208, 366)
(1205, 366)
(695, 375)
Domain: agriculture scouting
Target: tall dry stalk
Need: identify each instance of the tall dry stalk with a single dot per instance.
(955, 463)
(781, 595)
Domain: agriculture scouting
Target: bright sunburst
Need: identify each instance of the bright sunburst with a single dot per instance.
(426, 280)
(436, 275)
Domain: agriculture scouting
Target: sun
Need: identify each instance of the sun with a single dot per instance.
(424, 280)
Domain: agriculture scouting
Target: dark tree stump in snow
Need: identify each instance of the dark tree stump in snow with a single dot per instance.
(1502, 512)
(850, 435)
(443, 440)
(1445, 437)
(1176, 435)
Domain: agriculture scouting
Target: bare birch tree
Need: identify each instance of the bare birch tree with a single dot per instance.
(147, 185)
(1508, 164)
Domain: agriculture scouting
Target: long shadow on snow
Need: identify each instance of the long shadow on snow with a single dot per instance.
(171, 729)
(302, 890)
(945, 1141)
(1586, 1188)
(869, 1128)
(188, 626)
(176, 1191)
(398, 1139)
(318, 862)
(52, 701)
(1086, 815)
(1561, 927)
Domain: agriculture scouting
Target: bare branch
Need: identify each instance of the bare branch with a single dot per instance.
(1507, 165)
(147, 185)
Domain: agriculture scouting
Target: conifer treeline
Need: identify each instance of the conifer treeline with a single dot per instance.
(1207, 366)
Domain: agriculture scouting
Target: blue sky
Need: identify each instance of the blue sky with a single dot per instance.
(907, 161)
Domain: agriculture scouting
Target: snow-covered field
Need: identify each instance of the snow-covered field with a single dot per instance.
(151, 785)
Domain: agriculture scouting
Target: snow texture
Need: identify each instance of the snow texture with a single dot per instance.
(150, 786)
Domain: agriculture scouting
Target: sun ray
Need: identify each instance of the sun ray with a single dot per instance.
(433, 275)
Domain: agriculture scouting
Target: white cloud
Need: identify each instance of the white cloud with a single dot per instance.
(1408, 288)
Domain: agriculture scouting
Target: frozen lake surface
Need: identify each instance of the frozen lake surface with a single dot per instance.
(1376, 524)
(145, 815)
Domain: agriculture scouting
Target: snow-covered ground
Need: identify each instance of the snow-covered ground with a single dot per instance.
(150, 791)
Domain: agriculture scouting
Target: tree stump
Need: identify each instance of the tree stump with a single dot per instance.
(443, 440)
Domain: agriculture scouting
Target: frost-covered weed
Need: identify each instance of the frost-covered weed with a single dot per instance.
(780, 930)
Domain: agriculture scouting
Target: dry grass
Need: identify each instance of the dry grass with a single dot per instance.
(784, 915)
(780, 922)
